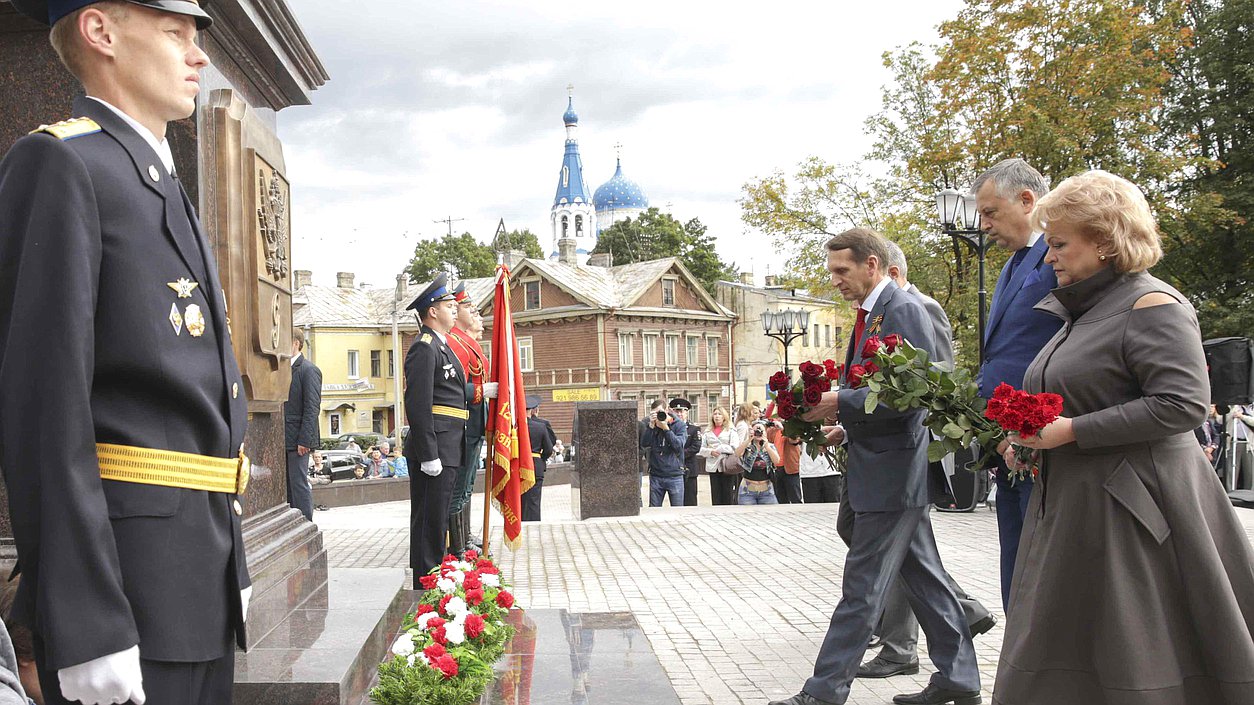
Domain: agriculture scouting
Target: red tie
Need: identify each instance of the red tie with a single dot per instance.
(860, 326)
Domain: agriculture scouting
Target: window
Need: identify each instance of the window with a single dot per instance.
(376, 363)
(531, 295)
(565, 219)
(525, 361)
(816, 335)
(672, 350)
(711, 353)
(391, 363)
(692, 350)
(579, 226)
(668, 292)
(827, 334)
(352, 364)
(624, 350)
(712, 402)
(649, 343)
(335, 424)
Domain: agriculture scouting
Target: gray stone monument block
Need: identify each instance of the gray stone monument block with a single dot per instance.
(605, 481)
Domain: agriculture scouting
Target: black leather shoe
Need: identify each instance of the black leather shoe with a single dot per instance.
(802, 698)
(983, 625)
(874, 642)
(882, 668)
(936, 695)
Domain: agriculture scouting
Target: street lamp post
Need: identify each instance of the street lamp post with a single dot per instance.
(960, 219)
(786, 326)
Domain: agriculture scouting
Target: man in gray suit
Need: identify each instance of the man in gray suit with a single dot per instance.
(898, 629)
(887, 481)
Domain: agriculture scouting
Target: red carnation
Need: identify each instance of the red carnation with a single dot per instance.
(444, 603)
(474, 596)
(813, 395)
(446, 665)
(856, 373)
(472, 581)
(504, 599)
(438, 635)
(809, 370)
(871, 346)
(436, 622)
(778, 382)
(449, 558)
(470, 555)
(474, 625)
(423, 609)
(434, 651)
(892, 341)
(428, 581)
(483, 565)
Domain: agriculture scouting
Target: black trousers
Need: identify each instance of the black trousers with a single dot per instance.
(428, 518)
(531, 500)
(168, 683)
(299, 493)
(723, 488)
(787, 487)
(690, 491)
(821, 489)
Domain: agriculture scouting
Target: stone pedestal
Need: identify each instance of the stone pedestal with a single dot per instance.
(605, 482)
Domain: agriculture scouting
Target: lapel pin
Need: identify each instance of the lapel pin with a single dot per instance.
(195, 321)
(176, 319)
(153, 173)
(183, 287)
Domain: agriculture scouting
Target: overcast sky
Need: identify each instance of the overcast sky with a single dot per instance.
(454, 109)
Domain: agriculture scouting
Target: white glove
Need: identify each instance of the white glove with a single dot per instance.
(432, 467)
(115, 678)
(489, 389)
(244, 596)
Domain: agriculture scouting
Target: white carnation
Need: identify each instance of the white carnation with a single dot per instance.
(457, 576)
(446, 586)
(464, 566)
(454, 632)
(491, 580)
(422, 619)
(456, 606)
(404, 645)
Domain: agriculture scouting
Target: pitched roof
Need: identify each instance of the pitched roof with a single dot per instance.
(339, 306)
(616, 287)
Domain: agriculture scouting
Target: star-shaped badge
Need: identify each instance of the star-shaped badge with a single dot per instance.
(183, 287)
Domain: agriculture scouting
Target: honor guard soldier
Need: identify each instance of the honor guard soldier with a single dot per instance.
(542, 437)
(121, 414)
(435, 402)
(463, 340)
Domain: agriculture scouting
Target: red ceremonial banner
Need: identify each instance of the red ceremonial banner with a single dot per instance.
(513, 471)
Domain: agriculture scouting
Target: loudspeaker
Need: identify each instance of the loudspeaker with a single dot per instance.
(1228, 364)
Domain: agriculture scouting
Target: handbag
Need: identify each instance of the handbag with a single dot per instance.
(729, 465)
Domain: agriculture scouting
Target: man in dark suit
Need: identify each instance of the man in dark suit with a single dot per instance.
(541, 434)
(1005, 196)
(887, 480)
(435, 402)
(898, 628)
(300, 424)
(122, 412)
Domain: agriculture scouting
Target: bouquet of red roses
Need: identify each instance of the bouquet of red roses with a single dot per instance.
(1025, 414)
(792, 399)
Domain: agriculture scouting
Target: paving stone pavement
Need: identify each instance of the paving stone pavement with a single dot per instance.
(735, 600)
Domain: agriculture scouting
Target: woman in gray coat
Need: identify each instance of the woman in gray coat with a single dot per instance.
(1134, 582)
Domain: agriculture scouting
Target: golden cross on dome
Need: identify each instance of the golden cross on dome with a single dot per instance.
(570, 89)
(618, 150)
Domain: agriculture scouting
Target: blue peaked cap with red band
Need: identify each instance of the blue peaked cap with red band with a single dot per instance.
(435, 292)
(49, 11)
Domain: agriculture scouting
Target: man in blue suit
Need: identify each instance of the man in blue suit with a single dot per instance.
(1005, 196)
(888, 493)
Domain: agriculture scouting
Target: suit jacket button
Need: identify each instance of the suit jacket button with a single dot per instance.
(235, 390)
(239, 510)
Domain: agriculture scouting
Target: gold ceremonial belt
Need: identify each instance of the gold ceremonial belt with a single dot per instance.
(170, 468)
(535, 455)
(450, 411)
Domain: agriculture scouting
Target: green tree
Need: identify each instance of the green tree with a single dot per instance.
(523, 240)
(655, 235)
(460, 256)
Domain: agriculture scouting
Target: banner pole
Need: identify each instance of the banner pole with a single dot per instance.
(488, 465)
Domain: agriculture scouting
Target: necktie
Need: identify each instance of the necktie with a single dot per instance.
(859, 326)
(1016, 261)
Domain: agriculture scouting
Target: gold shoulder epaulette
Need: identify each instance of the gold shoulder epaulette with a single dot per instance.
(426, 338)
(69, 129)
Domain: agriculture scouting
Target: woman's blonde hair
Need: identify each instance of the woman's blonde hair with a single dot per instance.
(727, 419)
(744, 412)
(1111, 211)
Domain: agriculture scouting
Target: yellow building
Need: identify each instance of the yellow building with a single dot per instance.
(348, 333)
(757, 357)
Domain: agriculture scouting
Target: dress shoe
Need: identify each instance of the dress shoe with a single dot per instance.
(882, 668)
(802, 698)
(936, 695)
(983, 625)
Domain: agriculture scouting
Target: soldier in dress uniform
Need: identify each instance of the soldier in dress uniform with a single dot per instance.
(464, 342)
(122, 416)
(541, 450)
(435, 402)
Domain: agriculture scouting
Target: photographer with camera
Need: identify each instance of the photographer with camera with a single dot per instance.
(758, 457)
(664, 439)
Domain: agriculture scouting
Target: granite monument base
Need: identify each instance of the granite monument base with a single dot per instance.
(605, 481)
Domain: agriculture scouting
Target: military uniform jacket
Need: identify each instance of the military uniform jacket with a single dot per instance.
(99, 342)
(541, 444)
(473, 362)
(435, 386)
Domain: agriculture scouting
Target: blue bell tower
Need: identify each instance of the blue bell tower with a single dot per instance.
(573, 214)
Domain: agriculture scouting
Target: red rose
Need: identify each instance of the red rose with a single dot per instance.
(892, 341)
(428, 581)
(434, 651)
(438, 635)
(871, 368)
(835, 373)
(778, 382)
(871, 346)
(809, 370)
(447, 665)
(813, 396)
(474, 625)
(474, 596)
(423, 609)
(470, 555)
(504, 599)
(825, 385)
(444, 603)
(472, 581)
(784, 406)
(856, 373)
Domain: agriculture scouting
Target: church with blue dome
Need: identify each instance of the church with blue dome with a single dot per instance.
(578, 218)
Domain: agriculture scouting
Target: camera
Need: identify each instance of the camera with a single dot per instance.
(661, 416)
(757, 431)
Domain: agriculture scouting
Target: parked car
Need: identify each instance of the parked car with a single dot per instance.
(341, 464)
(364, 440)
(404, 436)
